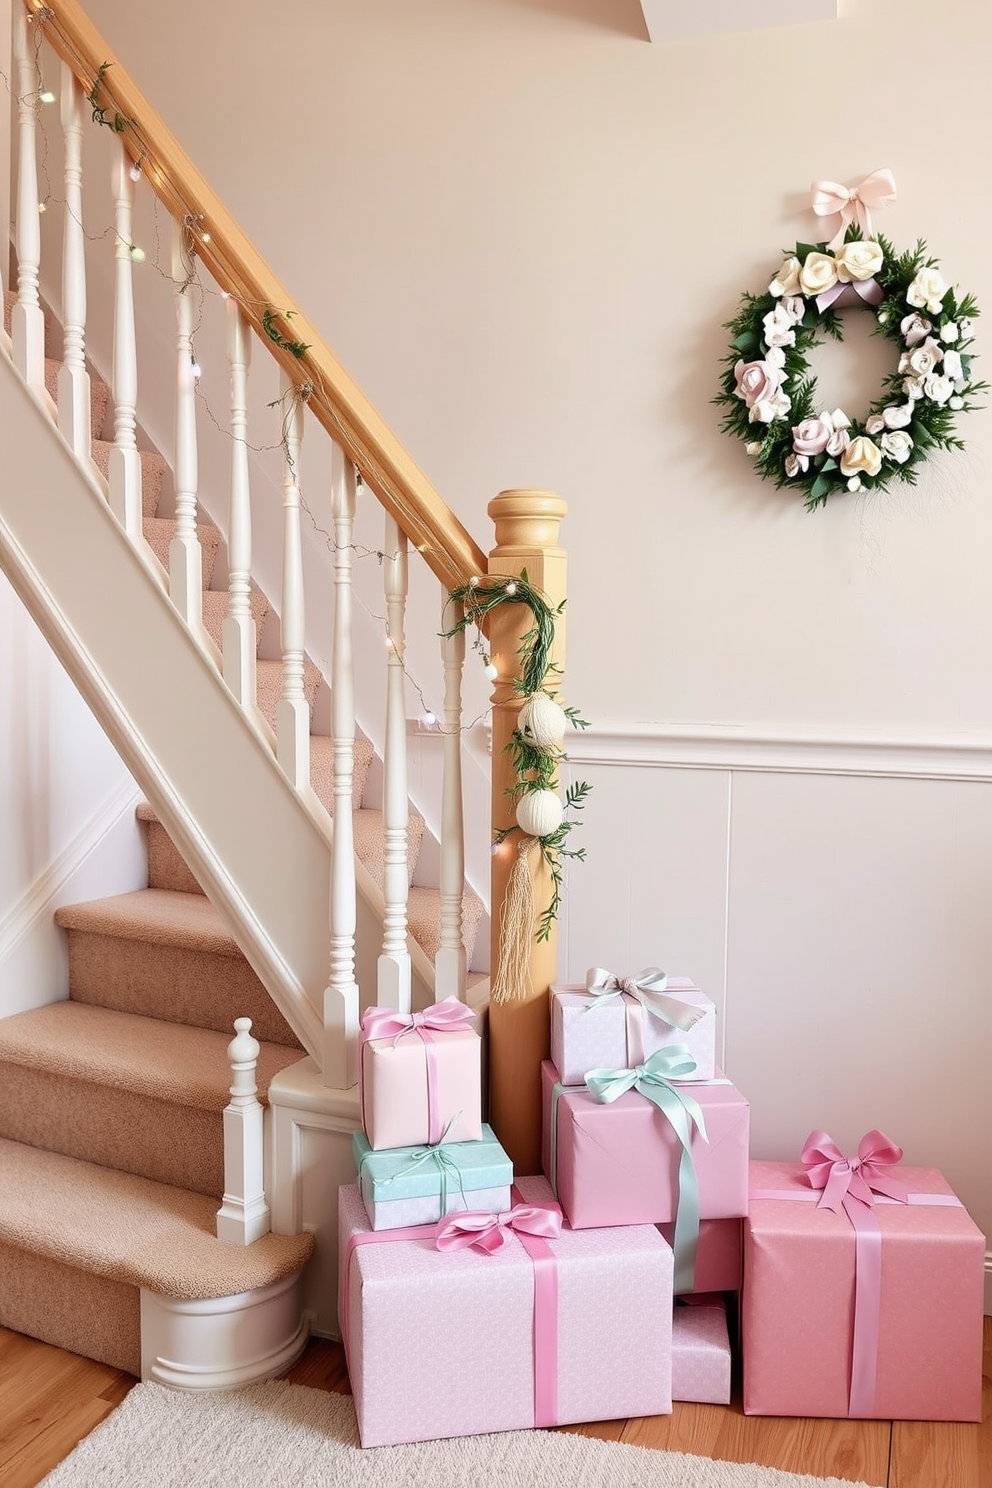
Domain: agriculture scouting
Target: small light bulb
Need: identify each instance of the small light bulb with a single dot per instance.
(511, 588)
(428, 719)
(137, 254)
(48, 96)
(205, 237)
(490, 672)
(196, 369)
(135, 171)
(42, 206)
(473, 582)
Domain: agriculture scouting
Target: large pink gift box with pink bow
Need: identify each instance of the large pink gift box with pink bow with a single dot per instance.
(616, 1022)
(870, 1309)
(420, 1076)
(535, 1328)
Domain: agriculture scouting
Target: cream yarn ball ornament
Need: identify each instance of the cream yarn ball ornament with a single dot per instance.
(542, 721)
(539, 813)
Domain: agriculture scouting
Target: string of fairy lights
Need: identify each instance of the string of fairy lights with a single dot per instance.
(297, 394)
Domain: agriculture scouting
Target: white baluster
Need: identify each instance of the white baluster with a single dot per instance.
(292, 712)
(75, 419)
(185, 559)
(239, 627)
(27, 321)
(341, 994)
(393, 971)
(450, 964)
(244, 1214)
(125, 461)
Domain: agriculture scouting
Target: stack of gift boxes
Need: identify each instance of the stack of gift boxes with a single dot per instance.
(473, 1301)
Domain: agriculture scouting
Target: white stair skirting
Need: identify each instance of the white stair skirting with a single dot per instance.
(218, 1343)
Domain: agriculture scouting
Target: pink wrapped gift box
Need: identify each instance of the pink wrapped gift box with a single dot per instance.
(618, 1164)
(701, 1352)
(443, 1344)
(718, 1257)
(616, 1032)
(798, 1317)
(423, 1084)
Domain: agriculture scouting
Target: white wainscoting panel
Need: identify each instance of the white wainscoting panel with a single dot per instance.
(834, 896)
(654, 889)
(859, 967)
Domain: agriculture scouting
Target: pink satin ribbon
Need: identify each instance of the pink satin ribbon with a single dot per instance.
(448, 1016)
(853, 203)
(533, 1225)
(869, 291)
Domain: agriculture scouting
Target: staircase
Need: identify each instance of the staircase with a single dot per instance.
(111, 1142)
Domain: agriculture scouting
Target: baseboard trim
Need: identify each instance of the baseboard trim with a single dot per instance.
(222, 1343)
(38, 902)
(699, 747)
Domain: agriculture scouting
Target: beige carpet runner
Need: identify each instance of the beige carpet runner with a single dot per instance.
(287, 1436)
(111, 1156)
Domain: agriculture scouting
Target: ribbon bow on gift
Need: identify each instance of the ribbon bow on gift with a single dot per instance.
(656, 1079)
(853, 203)
(490, 1232)
(842, 1178)
(416, 1157)
(447, 1016)
(649, 990)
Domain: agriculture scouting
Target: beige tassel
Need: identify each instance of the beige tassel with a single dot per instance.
(512, 980)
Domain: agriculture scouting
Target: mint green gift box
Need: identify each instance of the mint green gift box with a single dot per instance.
(419, 1185)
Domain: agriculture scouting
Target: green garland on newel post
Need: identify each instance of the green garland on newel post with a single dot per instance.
(535, 747)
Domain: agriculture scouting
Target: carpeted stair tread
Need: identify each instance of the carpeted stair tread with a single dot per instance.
(158, 916)
(268, 690)
(322, 769)
(145, 1056)
(215, 606)
(370, 842)
(134, 1230)
(159, 532)
(424, 919)
(99, 395)
(153, 469)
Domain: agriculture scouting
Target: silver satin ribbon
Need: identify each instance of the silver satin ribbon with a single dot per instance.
(647, 991)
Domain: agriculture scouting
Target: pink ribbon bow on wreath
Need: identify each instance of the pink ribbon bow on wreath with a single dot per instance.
(860, 1177)
(853, 203)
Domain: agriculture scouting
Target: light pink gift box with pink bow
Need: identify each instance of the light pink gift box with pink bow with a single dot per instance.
(863, 1289)
(540, 1326)
(420, 1076)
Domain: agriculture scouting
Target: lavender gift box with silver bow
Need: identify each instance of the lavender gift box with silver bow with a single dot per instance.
(617, 1022)
(419, 1185)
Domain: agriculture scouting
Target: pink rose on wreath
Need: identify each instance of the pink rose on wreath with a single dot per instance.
(811, 436)
(757, 382)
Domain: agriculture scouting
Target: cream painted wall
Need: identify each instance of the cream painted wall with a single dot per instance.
(521, 226)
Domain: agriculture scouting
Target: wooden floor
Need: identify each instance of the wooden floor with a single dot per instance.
(50, 1399)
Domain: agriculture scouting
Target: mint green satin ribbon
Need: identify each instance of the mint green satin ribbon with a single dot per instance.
(432, 1152)
(656, 1080)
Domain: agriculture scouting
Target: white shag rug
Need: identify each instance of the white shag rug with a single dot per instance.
(277, 1435)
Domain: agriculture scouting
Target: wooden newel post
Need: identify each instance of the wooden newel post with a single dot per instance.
(527, 524)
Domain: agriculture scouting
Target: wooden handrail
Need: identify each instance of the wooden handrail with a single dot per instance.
(338, 403)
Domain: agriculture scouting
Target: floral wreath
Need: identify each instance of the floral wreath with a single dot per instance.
(770, 395)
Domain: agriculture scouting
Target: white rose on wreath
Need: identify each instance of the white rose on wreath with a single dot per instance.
(767, 378)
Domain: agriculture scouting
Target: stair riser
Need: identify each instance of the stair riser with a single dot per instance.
(181, 1145)
(174, 983)
(72, 1309)
(166, 869)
